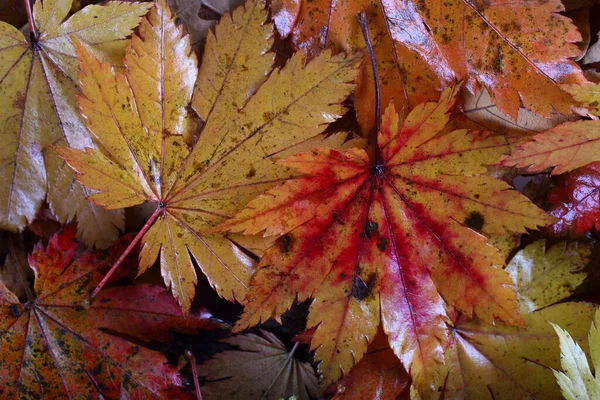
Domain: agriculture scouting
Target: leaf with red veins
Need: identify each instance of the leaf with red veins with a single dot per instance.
(566, 147)
(57, 345)
(576, 202)
(397, 232)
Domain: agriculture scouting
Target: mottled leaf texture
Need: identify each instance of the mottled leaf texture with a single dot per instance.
(576, 380)
(54, 347)
(518, 50)
(261, 368)
(504, 363)
(542, 275)
(38, 89)
(576, 202)
(379, 375)
(250, 118)
(566, 147)
(399, 231)
(403, 75)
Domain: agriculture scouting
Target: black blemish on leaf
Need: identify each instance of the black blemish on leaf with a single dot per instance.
(370, 229)
(335, 216)
(475, 221)
(15, 311)
(284, 243)
(382, 244)
(360, 290)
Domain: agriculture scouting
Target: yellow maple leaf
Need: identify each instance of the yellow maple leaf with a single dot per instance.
(38, 89)
(251, 118)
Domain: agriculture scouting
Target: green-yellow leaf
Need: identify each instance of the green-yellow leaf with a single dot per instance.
(545, 276)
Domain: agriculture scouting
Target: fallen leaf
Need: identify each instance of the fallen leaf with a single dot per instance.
(577, 381)
(543, 275)
(38, 89)
(250, 117)
(379, 375)
(502, 362)
(54, 347)
(398, 230)
(480, 110)
(576, 202)
(565, 147)
(403, 75)
(261, 368)
(517, 51)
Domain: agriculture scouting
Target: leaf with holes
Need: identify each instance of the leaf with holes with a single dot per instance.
(250, 120)
(38, 90)
(397, 230)
(52, 346)
(261, 368)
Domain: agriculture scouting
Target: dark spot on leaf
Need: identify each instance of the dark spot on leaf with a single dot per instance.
(15, 311)
(382, 244)
(593, 103)
(370, 229)
(178, 21)
(252, 172)
(475, 221)
(360, 290)
(284, 243)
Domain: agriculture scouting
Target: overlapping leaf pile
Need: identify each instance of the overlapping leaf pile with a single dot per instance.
(53, 346)
(393, 240)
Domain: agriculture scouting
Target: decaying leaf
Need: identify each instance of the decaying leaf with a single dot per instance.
(54, 347)
(38, 89)
(576, 202)
(250, 117)
(400, 230)
(576, 380)
(587, 94)
(519, 51)
(379, 375)
(501, 362)
(261, 368)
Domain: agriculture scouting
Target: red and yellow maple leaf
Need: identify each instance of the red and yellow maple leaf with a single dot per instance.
(396, 232)
(53, 346)
(251, 118)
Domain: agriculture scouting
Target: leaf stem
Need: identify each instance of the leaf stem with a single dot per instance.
(364, 27)
(128, 250)
(192, 360)
(30, 20)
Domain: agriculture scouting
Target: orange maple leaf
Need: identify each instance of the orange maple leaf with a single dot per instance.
(398, 231)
